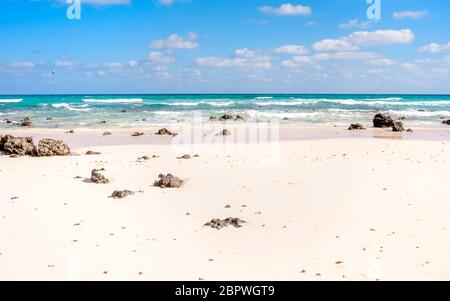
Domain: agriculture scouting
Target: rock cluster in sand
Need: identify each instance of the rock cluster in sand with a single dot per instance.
(226, 117)
(224, 132)
(383, 121)
(168, 181)
(222, 223)
(90, 152)
(165, 132)
(23, 146)
(51, 147)
(26, 122)
(98, 178)
(356, 126)
(137, 134)
(120, 194)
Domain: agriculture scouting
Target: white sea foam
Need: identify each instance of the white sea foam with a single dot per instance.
(415, 113)
(376, 102)
(264, 97)
(64, 105)
(260, 114)
(15, 100)
(114, 100)
(285, 103)
(193, 104)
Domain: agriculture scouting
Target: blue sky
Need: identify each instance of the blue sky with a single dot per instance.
(224, 46)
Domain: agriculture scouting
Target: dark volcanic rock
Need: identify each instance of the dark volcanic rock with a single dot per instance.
(221, 223)
(51, 147)
(165, 132)
(447, 122)
(70, 132)
(123, 111)
(398, 126)
(20, 146)
(409, 130)
(26, 122)
(137, 134)
(226, 117)
(224, 132)
(98, 178)
(356, 126)
(239, 117)
(89, 152)
(7, 120)
(382, 121)
(213, 118)
(120, 194)
(107, 134)
(168, 181)
(187, 156)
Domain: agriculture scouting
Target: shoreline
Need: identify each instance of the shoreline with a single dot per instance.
(122, 136)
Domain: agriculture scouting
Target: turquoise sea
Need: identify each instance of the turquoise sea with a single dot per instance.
(89, 110)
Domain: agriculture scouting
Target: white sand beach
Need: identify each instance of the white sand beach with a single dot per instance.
(317, 208)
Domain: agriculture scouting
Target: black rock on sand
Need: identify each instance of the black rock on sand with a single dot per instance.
(137, 134)
(89, 152)
(120, 194)
(383, 121)
(224, 132)
(51, 147)
(23, 146)
(447, 122)
(222, 223)
(165, 132)
(356, 126)
(98, 178)
(168, 181)
(26, 122)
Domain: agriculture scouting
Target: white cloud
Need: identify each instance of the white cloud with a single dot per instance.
(359, 39)
(64, 64)
(410, 66)
(286, 9)
(22, 65)
(345, 56)
(380, 37)
(329, 45)
(243, 57)
(447, 59)
(133, 64)
(245, 52)
(382, 62)
(297, 61)
(174, 41)
(292, 49)
(418, 14)
(435, 48)
(221, 62)
(113, 65)
(354, 23)
(160, 58)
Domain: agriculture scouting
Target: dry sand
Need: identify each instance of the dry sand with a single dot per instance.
(316, 209)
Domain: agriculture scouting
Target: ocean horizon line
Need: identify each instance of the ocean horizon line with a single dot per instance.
(203, 94)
